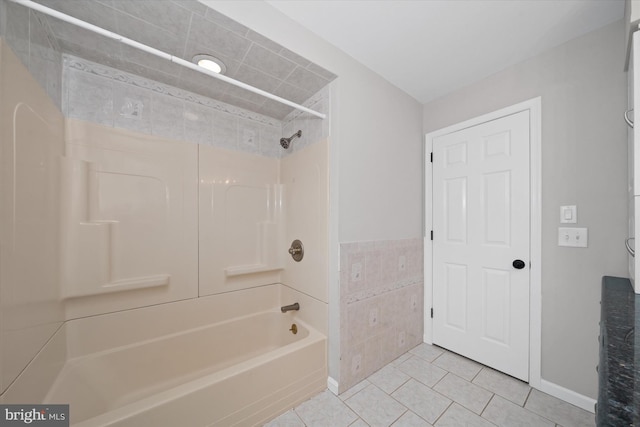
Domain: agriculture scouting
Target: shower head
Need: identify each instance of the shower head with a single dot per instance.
(285, 142)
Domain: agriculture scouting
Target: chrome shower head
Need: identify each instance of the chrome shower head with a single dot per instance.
(285, 142)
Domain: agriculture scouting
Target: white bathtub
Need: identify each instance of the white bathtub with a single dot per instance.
(140, 368)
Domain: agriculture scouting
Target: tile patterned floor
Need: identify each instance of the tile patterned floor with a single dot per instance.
(430, 386)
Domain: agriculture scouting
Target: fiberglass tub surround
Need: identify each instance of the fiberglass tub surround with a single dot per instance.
(166, 262)
(151, 373)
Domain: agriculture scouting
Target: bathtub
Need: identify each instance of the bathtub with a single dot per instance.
(140, 368)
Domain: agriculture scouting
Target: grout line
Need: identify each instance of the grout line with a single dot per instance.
(438, 382)
(400, 416)
(476, 375)
(444, 412)
(485, 406)
(186, 40)
(527, 398)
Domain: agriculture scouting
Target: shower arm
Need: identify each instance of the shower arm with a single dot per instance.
(110, 34)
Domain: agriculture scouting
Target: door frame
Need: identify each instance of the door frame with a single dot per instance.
(534, 106)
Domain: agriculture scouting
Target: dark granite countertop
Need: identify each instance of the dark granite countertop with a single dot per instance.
(618, 370)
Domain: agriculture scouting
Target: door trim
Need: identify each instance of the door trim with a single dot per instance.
(534, 106)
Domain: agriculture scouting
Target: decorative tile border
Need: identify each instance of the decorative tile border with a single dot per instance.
(370, 293)
(86, 66)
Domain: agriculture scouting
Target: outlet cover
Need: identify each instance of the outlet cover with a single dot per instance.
(574, 237)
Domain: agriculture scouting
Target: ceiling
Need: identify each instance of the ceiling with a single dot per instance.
(429, 48)
(184, 28)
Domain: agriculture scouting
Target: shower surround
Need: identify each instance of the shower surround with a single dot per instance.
(115, 216)
(142, 197)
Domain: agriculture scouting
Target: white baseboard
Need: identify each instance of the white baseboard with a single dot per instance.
(577, 399)
(332, 385)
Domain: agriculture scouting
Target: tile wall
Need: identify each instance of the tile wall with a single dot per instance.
(381, 286)
(35, 45)
(107, 96)
(313, 128)
(86, 90)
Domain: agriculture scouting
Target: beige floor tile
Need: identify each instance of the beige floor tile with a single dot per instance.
(400, 395)
(427, 352)
(410, 419)
(400, 359)
(461, 366)
(353, 390)
(503, 385)
(463, 392)
(507, 414)
(422, 371)
(359, 423)
(376, 407)
(559, 411)
(389, 378)
(324, 410)
(422, 400)
(288, 419)
(457, 416)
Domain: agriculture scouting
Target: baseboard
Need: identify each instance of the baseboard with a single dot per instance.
(570, 396)
(332, 385)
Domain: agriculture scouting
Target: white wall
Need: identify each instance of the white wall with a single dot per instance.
(584, 157)
(375, 146)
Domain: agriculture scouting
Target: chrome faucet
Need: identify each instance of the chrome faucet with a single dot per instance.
(286, 308)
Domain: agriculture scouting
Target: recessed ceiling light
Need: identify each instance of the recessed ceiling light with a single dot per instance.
(210, 63)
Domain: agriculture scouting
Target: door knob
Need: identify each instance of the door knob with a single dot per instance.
(518, 264)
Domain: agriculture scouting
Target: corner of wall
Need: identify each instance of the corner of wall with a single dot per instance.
(31, 130)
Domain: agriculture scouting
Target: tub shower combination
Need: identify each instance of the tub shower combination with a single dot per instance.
(234, 360)
(172, 300)
(240, 353)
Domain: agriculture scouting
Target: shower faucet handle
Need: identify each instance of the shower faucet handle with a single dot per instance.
(296, 250)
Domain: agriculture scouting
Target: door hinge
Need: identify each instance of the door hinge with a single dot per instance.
(432, 312)
(431, 234)
(432, 157)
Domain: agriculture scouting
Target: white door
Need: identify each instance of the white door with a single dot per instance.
(481, 243)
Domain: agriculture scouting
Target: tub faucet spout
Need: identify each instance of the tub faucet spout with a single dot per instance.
(286, 308)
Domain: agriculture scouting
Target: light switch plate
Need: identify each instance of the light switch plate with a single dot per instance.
(568, 214)
(574, 237)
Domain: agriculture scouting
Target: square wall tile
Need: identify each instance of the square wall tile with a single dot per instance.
(248, 136)
(268, 61)
(90, 97)
(167, 116)
(225, 130)
(132, 107)
(204, 32)
(198, 123)
(270, 141)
